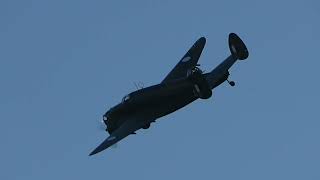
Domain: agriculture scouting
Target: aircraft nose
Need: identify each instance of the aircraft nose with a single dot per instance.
(106, 116)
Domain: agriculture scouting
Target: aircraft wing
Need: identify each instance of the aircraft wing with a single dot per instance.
(127, 128)
(188, 61)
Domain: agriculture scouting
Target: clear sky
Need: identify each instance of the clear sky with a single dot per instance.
(64, 63)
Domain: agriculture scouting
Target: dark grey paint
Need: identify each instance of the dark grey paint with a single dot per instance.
(183, 85)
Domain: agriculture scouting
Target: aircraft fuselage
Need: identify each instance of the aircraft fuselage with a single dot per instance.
(184, 84)
(152, 102)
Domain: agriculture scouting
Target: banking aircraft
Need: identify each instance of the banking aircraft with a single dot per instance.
(184, 84)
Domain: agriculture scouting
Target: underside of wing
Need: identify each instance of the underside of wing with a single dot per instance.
(127, 128)
(188, 61)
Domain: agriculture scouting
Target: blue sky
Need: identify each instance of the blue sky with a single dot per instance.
(64, 63)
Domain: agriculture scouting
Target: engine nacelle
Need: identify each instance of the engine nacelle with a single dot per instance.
(201, 86)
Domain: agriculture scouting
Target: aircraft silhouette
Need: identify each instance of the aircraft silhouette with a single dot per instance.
(184, 84)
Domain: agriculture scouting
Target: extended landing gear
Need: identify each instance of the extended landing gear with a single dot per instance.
(232, 83)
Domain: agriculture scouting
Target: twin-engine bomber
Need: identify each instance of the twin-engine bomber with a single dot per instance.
(184, 84)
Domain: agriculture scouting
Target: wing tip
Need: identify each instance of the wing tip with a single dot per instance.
(104, 145)
(93, 153)
(203, 39)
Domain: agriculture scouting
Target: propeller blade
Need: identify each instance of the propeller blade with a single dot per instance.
(102, 126)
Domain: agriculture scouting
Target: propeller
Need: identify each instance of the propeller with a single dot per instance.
(103, 127)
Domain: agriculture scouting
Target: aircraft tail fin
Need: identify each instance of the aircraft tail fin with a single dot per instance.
(238, 51)
(237, 47)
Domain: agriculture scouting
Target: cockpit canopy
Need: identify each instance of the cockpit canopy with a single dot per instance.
(125, 98)
(106, 116)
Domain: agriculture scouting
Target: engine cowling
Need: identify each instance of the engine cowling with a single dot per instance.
(201, 85)
(146, 126)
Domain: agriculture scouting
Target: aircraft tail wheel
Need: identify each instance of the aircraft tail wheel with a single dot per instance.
(232, 83)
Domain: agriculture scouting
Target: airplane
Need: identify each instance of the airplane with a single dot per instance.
(185, 83)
